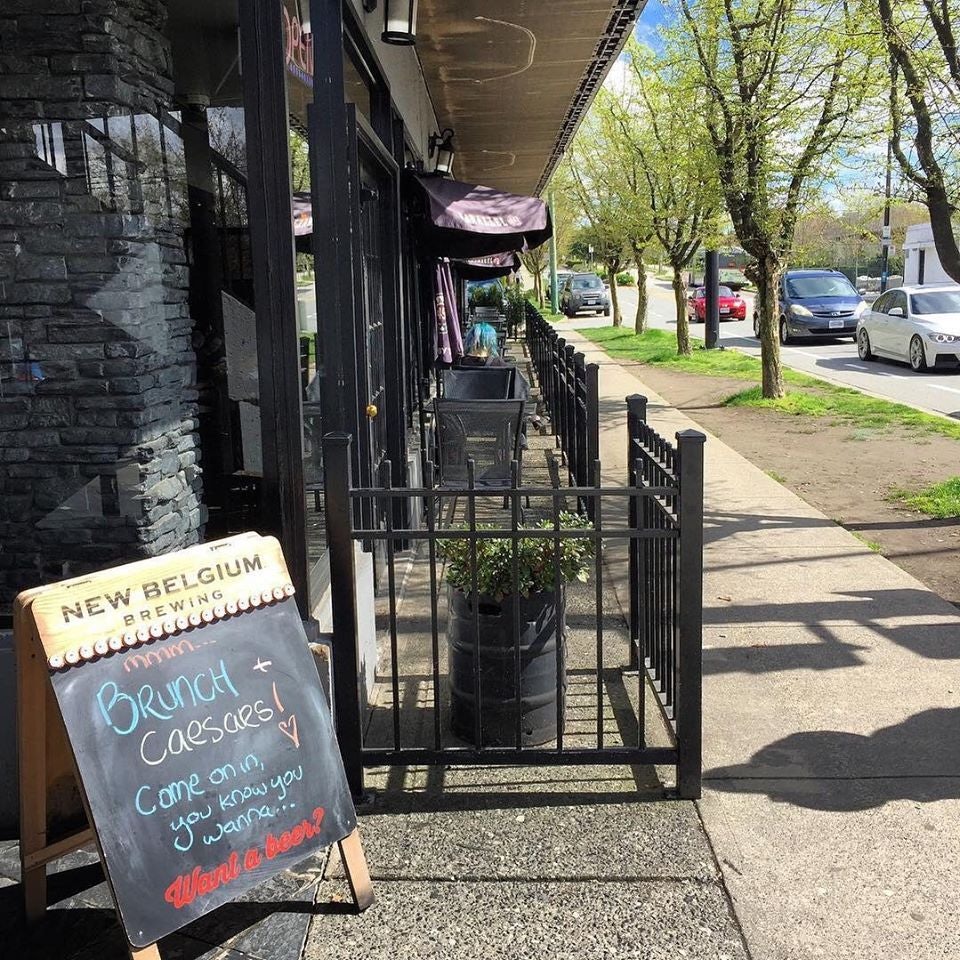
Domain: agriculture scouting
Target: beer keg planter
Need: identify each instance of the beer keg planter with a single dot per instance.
(483, 635)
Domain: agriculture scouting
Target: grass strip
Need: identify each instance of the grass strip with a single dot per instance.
(847, 405)
(548, 314)
(659, 348)
(816, 398)
(939, 500)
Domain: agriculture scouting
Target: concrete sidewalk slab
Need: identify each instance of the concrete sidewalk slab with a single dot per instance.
(652, 920)
(831, 718)
(553, 830)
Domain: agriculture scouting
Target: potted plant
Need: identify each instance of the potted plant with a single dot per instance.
(490, 617)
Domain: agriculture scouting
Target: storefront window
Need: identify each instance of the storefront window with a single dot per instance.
(356, 87)
(128, 379)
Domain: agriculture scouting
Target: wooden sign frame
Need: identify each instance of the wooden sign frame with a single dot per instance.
(44, 750)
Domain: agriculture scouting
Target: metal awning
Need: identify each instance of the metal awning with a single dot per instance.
(514, 78)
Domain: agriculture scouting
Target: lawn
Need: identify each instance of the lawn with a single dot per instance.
(939, 500)
(813, 398)
(660, 347)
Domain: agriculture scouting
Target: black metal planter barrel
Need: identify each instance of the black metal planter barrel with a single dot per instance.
(540, 685)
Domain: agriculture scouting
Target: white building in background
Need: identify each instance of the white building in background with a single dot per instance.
(920, 261)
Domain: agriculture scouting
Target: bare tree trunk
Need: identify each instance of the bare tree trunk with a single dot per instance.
(767, 311)
(680, 300)
(538, 288)
(640, 324)
(614, 298)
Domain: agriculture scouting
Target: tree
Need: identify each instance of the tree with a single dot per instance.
(786, 81)
(536, 261)
(671, 161)
(607, 180)
(627, 183)
(922, 49)
(591, 174)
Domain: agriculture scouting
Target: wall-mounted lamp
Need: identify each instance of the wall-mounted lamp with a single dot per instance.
(303, 15)
(441, 144)
(400, 22)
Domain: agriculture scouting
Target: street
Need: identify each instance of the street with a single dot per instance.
(834, 360)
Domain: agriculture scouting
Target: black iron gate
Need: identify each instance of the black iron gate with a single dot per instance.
(654, 522)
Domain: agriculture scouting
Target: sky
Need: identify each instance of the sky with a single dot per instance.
(655, 14)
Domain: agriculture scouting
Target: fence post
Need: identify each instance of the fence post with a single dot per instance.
(689, 667)
(636, 414)
(346, 668)
(593, 421)
(560, 383)
(570, 399)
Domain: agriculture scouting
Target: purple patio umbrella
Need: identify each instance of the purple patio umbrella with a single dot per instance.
(487, 268)
(447, 340)
(466, 220)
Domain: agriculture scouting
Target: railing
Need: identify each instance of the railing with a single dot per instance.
(666, 578)
(570, 390)
(591, 695)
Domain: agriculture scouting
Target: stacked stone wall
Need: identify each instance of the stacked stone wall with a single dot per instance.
(98, 400)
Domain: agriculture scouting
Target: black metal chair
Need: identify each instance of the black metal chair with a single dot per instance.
(478, 383)
(488, 432)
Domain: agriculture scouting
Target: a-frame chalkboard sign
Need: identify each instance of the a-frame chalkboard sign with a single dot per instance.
(202, 740)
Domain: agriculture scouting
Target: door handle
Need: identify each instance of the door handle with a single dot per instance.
(372, 410)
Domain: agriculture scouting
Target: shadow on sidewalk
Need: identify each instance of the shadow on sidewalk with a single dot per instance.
(939, 640)
(918, 759)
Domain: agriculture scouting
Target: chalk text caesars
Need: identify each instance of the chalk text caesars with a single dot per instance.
(152, 589)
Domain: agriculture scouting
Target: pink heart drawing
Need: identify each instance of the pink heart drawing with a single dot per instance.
(289, 729)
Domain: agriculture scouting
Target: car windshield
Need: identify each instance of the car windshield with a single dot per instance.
(726, 292)
(587, 283)
(803, 288)
(936, 301)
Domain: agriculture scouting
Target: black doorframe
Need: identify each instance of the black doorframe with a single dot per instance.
(271, 240)
(392, 305)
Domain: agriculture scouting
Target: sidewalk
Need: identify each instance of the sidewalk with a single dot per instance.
(831, 719)
(832, 778)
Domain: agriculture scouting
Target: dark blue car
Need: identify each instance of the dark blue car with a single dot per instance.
(818, 304)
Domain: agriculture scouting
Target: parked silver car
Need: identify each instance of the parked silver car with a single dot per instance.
(584, 291)
(919, 324)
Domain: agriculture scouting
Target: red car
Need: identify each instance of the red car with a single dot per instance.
(732, 307)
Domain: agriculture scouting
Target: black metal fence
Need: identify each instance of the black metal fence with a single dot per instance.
(466, 677)
(569, 387)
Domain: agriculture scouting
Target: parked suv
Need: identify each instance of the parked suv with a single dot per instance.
(584, 291)
(817, 303)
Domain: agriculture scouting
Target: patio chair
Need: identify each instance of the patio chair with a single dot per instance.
(488, 432)
(477, 383)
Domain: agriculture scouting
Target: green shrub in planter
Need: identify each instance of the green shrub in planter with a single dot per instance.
(482, 634)
(625, 279)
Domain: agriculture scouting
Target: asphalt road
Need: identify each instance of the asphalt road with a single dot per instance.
(834, 360)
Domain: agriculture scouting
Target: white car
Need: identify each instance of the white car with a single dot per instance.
(919, 324)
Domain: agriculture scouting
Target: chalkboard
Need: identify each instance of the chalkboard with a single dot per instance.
(208, 760)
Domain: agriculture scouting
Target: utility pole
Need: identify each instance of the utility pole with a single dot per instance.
(711, 283)
(885, 241)
(554, 293)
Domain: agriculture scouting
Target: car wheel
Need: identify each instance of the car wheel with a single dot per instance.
(785, 337)
(606, 312)
(756, 327)
(918, 359)
(863, 345)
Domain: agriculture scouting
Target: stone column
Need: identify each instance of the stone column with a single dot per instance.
(98, 411)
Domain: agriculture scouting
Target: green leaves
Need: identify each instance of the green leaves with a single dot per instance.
(538, 559)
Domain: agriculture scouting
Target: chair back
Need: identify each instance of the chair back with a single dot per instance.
(477, 383)
(485, 431)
